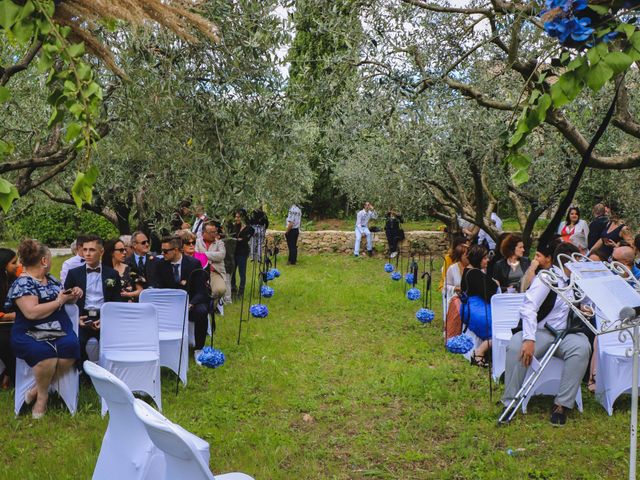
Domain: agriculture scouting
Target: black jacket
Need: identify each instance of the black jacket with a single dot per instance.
(596, 229)
(147, 272)
(193, 279)
(111, 286)
(501, 270)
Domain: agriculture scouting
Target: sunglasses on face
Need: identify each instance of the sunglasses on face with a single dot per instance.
(144, 242)
(188, 243)
(121, 250)
(167, 250)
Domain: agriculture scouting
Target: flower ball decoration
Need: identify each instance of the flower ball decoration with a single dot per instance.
(259, 310)
(269, 275)
(460, 344)
(424, 315)
(266, 292)
(409, 278)
(395, 276)
(388, 267)
(276, 272)
(413, 294)
(211, 357)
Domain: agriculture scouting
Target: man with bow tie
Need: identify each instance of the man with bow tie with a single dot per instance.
(99, 283)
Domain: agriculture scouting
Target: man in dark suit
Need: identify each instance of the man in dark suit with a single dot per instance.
(99, 283)
(142, 263)
(186, 273)
(599, 224)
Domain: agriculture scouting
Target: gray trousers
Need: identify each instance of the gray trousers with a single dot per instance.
(574, 349)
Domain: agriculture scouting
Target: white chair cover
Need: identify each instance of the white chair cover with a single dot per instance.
(549, 381)
(183, 460)
(614, 373)
(171, 307)
(505, 311)
(130, 347)
(127, 452)
(476, 343)
(67, 386)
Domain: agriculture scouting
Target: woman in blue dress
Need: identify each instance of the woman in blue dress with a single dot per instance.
(42, 335)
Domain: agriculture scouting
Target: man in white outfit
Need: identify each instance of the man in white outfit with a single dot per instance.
(362, 228)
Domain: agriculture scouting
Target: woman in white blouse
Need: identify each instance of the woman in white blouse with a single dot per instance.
(574, 229)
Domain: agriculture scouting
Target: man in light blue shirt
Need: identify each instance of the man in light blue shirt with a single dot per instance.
(293, 231)
(362, 228)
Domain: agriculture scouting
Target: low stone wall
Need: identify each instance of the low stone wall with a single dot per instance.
(337, 241)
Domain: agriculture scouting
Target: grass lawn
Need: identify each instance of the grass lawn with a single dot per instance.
(338, 382)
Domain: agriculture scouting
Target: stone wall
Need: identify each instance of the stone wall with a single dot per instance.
(337, 241)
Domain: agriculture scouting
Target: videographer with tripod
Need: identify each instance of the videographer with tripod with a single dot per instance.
(543, 307)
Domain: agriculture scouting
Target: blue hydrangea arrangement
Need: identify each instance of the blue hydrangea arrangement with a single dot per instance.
(395, 276)
(424, 315)
(409, 278)
(211, 357)
(388, 268)
(413, 294)
(266, 292)
(270, 275)
(459, 344)
(259, 310)
(275, 272)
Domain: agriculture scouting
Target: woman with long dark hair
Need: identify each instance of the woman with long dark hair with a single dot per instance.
(114, 255)
(574, 229)
(10, 268)
(242, 234)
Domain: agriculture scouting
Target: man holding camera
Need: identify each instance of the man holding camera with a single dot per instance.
(99, 283)
(362, 228)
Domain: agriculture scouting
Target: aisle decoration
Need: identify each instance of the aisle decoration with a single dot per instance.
(275, 272)
(211, 357)
(266, 292)
(395, 276)
(409, 278)
(413, 294)
(259, 310)
(388, 267)
(460, 344)
(425, 315)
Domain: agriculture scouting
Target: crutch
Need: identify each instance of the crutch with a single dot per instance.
(510, 410)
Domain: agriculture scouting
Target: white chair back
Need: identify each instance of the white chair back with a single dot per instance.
(171, 307)
(128, 327)
(505, 311)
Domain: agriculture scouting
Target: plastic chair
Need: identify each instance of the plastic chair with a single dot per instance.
(67, 386)
(130, 347)
(549, 382)
(505, 308)
(615, 369)
(127, 452)
(182, 458)
(171, 307)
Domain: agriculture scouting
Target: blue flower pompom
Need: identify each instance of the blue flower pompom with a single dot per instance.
(266, 292)
(396, 276)
(270, 275)
(388, 267)
(409, 278)
(276, 272)
(413, 294)
(211, 357)
(424, 315)
(259, 310)
(460, 344)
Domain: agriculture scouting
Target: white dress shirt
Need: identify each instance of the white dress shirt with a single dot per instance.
(363, 217)
(94, 296)
(198, 226)
(294, 217)
(534, 298)
(69, 264)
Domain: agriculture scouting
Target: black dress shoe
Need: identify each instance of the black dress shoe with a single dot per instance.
(558, 416)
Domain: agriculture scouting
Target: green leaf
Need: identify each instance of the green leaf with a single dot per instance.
(6, 148)
(5, 94)
(565, 89)
(56, 116)
(76, 109)
(84, 71)
(93, 89)
(627, 29)
(520, 177)
(45, 62)
(82, 190)
(24, 31)
(598, 76)
(8, 193)
(618, 61)
(520, 161)
(75, 50)
(9, 12)
(599, 9)
(73, 131)
(576, 63)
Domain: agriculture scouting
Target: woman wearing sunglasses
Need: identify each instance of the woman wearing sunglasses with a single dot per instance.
(114, 255)
(189, 247)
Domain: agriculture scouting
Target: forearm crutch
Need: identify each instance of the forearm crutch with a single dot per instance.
(510, 410)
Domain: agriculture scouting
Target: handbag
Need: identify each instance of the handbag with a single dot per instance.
(46, 332)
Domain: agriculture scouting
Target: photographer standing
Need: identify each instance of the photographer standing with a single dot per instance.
(362, 228)
(393, 231)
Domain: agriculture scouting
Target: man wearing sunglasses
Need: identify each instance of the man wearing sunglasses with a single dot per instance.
(181, 271)
(141, 262)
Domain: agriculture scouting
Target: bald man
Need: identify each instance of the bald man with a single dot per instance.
(626, 256)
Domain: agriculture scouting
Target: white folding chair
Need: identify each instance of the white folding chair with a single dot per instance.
(182, 457)
(130, 347)
(615, 369)
(127, 452)
(505, 312)
(549, 382)
(67, 386)
(171, 307)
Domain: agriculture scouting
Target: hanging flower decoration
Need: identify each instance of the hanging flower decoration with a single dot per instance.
(424, 315)
(409, 278)
(211, 357)
(276, 272)
(413, 294)
(395, 276)
(388, 268)
(459, 344)
(259, 310)
(266, 292)
(269, 275)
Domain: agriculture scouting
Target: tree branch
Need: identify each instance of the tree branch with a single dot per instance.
(7, 73)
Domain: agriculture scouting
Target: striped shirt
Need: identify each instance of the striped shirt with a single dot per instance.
(294, 216)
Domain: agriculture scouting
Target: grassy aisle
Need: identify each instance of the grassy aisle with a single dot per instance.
(339, 382)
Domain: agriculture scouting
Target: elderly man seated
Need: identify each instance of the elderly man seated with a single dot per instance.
(626, 256)
(542, 306)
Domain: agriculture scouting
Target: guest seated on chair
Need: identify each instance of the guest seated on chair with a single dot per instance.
(114, 257)
(475, 311)
(453, 324)
(625, 256)
(42, 335)
(76, 260)
(99, 283)
(10, 269)
(141, 262)
(541, 306)
(188, 239)
(185, 273)
(212, 246)
(511, 268)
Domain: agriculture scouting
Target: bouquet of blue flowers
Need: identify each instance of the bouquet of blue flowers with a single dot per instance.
(460, 344)
(424, 315)
(211, 357)
(413, 294)
(266, 292)
(259, 310)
